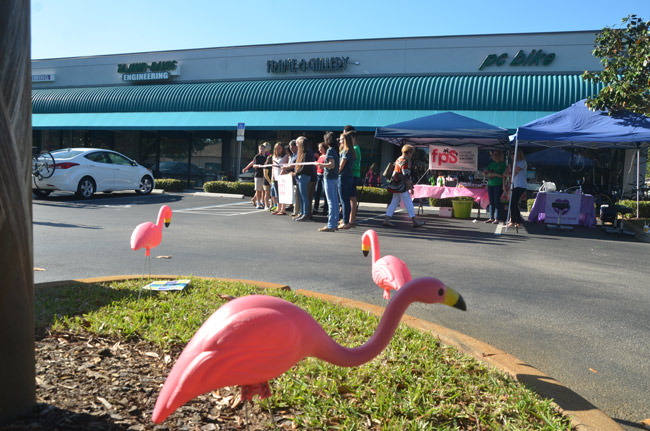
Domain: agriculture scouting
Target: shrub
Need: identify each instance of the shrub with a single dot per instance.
(230, 187)
(644, 208)
(373, 194)
(170, 185)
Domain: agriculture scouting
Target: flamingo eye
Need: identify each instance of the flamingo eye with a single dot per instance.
(441, 292)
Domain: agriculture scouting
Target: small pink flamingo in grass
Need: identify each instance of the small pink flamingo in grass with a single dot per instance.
(256, 338)
(388, 272)
(148, 235)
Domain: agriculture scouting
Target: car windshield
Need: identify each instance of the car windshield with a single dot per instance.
(65, 153)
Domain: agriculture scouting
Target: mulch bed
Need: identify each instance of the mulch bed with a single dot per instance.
(84, 382)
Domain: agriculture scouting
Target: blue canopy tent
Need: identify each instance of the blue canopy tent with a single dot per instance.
(578, 126)
(445, 128)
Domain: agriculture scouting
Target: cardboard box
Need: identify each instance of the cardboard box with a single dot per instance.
(445, 212)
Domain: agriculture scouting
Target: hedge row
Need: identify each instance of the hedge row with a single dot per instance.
(170, 185)
(231, 187)
(644, 208)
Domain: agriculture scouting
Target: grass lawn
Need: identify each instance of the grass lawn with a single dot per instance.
(415, 384)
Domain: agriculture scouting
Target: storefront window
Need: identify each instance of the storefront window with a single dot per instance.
(127, 143)
(207, 154)
(101, 139)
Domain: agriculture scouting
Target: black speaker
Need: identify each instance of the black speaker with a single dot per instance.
(607, 214)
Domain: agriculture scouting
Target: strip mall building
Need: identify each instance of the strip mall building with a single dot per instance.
(181, 109)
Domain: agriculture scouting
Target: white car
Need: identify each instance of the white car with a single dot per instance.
(89, 170)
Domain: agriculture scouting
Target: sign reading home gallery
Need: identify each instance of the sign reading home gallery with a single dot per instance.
(321, 64)
(154, 71)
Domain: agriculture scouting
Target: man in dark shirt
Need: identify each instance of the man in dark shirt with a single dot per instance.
(258, 161)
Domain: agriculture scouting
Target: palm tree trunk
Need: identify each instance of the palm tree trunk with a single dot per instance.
(17, 380)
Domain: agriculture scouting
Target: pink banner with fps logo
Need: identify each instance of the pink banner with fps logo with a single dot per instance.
(570, 215)
(445, 158)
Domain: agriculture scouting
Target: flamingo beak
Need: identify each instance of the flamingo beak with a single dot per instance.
(168, 221)
(365, 249)
(453, 299)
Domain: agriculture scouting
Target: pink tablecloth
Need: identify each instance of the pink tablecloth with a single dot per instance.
(480, 195)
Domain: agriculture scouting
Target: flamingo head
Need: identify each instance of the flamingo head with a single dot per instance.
(166, 212)
(366, 242)
(430, 290)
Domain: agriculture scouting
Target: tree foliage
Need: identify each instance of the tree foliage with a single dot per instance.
(625, 56)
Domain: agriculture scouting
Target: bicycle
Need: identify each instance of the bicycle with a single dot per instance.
(43, 165)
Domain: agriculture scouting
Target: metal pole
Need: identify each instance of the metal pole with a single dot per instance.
(238, 160)
(512, 177)
(638, 165)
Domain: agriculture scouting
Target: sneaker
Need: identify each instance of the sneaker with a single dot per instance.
(326, 229)
(260, 207)
(490, 220)
(274, 208)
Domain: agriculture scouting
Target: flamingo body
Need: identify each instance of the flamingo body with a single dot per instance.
(388, 272)
(148, 235)
(253, 339)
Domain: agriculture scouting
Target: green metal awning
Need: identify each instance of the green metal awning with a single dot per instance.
(262, 120)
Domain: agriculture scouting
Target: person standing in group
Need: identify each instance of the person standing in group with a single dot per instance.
(356, 174)
(346, 179)
(304, 176)
(293, 153)
(320, 181)
(331, 179)
(279, 158)
(268, 181)
(519, 184)
(495, 173)
(402, 177)
(259, 160)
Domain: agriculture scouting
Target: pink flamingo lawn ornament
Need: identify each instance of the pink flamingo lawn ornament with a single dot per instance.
(388, 272)
(148, 235)
(256, 338)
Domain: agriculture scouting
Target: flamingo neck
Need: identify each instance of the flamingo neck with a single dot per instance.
(161, 219)
(330, 351)
(374, 248)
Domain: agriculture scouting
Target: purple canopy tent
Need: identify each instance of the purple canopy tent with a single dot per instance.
(578, 126)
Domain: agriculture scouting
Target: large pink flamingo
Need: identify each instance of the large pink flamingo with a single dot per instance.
(388, 272)
(256, 338)
(148, 235)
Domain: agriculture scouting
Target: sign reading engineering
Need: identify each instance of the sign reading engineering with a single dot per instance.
(323, 64)
(154, 71)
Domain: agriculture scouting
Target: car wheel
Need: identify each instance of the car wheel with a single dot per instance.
(146, 185)
(86, 188)
(41, 193)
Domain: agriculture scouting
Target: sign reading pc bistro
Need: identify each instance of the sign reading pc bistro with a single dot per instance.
(154, 71)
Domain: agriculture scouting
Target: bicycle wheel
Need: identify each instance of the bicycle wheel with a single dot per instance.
(43, 165)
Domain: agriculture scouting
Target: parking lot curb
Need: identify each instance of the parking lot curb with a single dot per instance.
(582, 414)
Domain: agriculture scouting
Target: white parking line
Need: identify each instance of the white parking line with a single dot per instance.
(224, 210)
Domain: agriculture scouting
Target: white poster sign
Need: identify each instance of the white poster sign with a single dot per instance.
(444, 158)
(285, 189)
(570, 215)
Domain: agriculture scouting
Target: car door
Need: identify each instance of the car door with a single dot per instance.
(127, 176)
(101, 169)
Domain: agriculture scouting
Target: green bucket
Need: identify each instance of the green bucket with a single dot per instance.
(462, 209)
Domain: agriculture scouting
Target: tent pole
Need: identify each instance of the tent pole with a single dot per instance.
(512, 178)
(638, 164)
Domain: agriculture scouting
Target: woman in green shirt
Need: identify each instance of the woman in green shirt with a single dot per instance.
(494, 173)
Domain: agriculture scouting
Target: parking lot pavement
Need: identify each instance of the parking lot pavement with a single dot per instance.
(565, 303)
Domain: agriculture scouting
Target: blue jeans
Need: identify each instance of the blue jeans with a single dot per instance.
(515, 214)
(331, 194)
(345, 191)
(496, 208)
(320, 188)
(303, 190)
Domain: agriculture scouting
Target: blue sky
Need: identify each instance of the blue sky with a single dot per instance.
(73, 28)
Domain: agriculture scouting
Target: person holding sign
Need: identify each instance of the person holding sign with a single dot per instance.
(401, 187)
(495, 173)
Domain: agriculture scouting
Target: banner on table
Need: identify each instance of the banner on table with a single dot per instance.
(570, 215)
(444, 158)
(285, 189)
